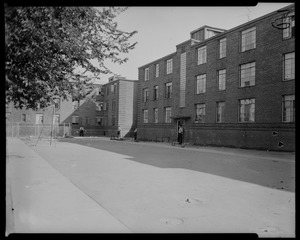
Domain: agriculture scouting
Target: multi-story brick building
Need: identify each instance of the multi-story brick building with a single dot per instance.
(117, 105)
(228, 88)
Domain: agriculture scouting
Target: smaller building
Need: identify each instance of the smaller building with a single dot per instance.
(67, 117)
(117, 106)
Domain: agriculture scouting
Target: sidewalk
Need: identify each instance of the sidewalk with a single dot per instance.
(41, 200)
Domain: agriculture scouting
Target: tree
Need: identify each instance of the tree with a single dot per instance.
(45, 45)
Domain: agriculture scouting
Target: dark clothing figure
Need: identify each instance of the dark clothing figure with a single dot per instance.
(119, 132)
(81, 131)
(180, 134)
(135, 134)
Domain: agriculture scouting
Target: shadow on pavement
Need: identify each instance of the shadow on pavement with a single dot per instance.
(265, 172)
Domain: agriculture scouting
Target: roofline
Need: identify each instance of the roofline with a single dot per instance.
(128, 80)
(157, 60)
(223, 33)
(243, 25)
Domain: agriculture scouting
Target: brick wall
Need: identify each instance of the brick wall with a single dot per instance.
(268, 91)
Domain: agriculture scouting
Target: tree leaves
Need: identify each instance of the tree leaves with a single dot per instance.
(45, 45)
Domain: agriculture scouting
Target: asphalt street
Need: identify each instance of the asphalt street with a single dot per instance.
(270, 169)
(102, 185)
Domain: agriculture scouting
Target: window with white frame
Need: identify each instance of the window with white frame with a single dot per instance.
(220, 112)
(75, 104)
(155, 114)
(288, 108)
(247, 110)
(56, 119)
(23, 118)
(200, 84)
(222, 48)
(146, 94)
(157, 70)
(99, 121)
(146, 74)
(39, 118)
(290, 31)
(200, 113)
(248, 39)
(155, 92)
(57, 103)
(201, 55)
(169, 66)
(168, 114)
(222, 79)
(247, 74)
(289, 66)
(168, 90)
(145, 116)
(75, 120)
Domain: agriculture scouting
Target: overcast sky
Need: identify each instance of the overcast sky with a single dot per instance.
(160, 29)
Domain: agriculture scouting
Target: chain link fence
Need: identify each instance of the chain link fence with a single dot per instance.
(17, 129)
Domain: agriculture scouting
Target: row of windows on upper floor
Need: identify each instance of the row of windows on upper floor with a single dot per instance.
(248, 42)
(246, 111)
(247, 78)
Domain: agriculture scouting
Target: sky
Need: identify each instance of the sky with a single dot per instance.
(160, 29)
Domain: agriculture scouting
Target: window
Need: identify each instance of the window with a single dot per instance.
(200, 84)
(39, 118)
(288, 108)
(23, 118)
(247, 110)
(57, 103)
(248, 39)
(99, 106)
(168, 88)
(155, 114)
(99, 121)
(168, 114)
(222, 79)
(220, 112)
(75, 104)
(290, 31)
(155, 93)
(289, 66)
(56, 119)
(146, 94)
(201, 55)
(113, 87)
(113, 106)
(200, 113)
(146, 74)
(222, 48)
(113, 120)
(156, 70)
(75, 120)
(145, 115)
(247, 74)
(169, 66)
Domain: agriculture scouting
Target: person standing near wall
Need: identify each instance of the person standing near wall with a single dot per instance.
(81, 131)
(180, 134)
(135, 134)
(119, 132)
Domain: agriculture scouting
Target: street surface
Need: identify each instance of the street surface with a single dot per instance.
(155, 187)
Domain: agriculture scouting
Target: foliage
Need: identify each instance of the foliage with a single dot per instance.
(45, 45)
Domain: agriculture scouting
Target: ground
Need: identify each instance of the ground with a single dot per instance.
(156, 187)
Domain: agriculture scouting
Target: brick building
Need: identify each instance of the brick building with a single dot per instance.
(67, 113)
(227, 87)
(117, 105)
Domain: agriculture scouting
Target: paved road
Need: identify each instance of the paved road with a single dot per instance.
(149, 187)
(270, 169)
